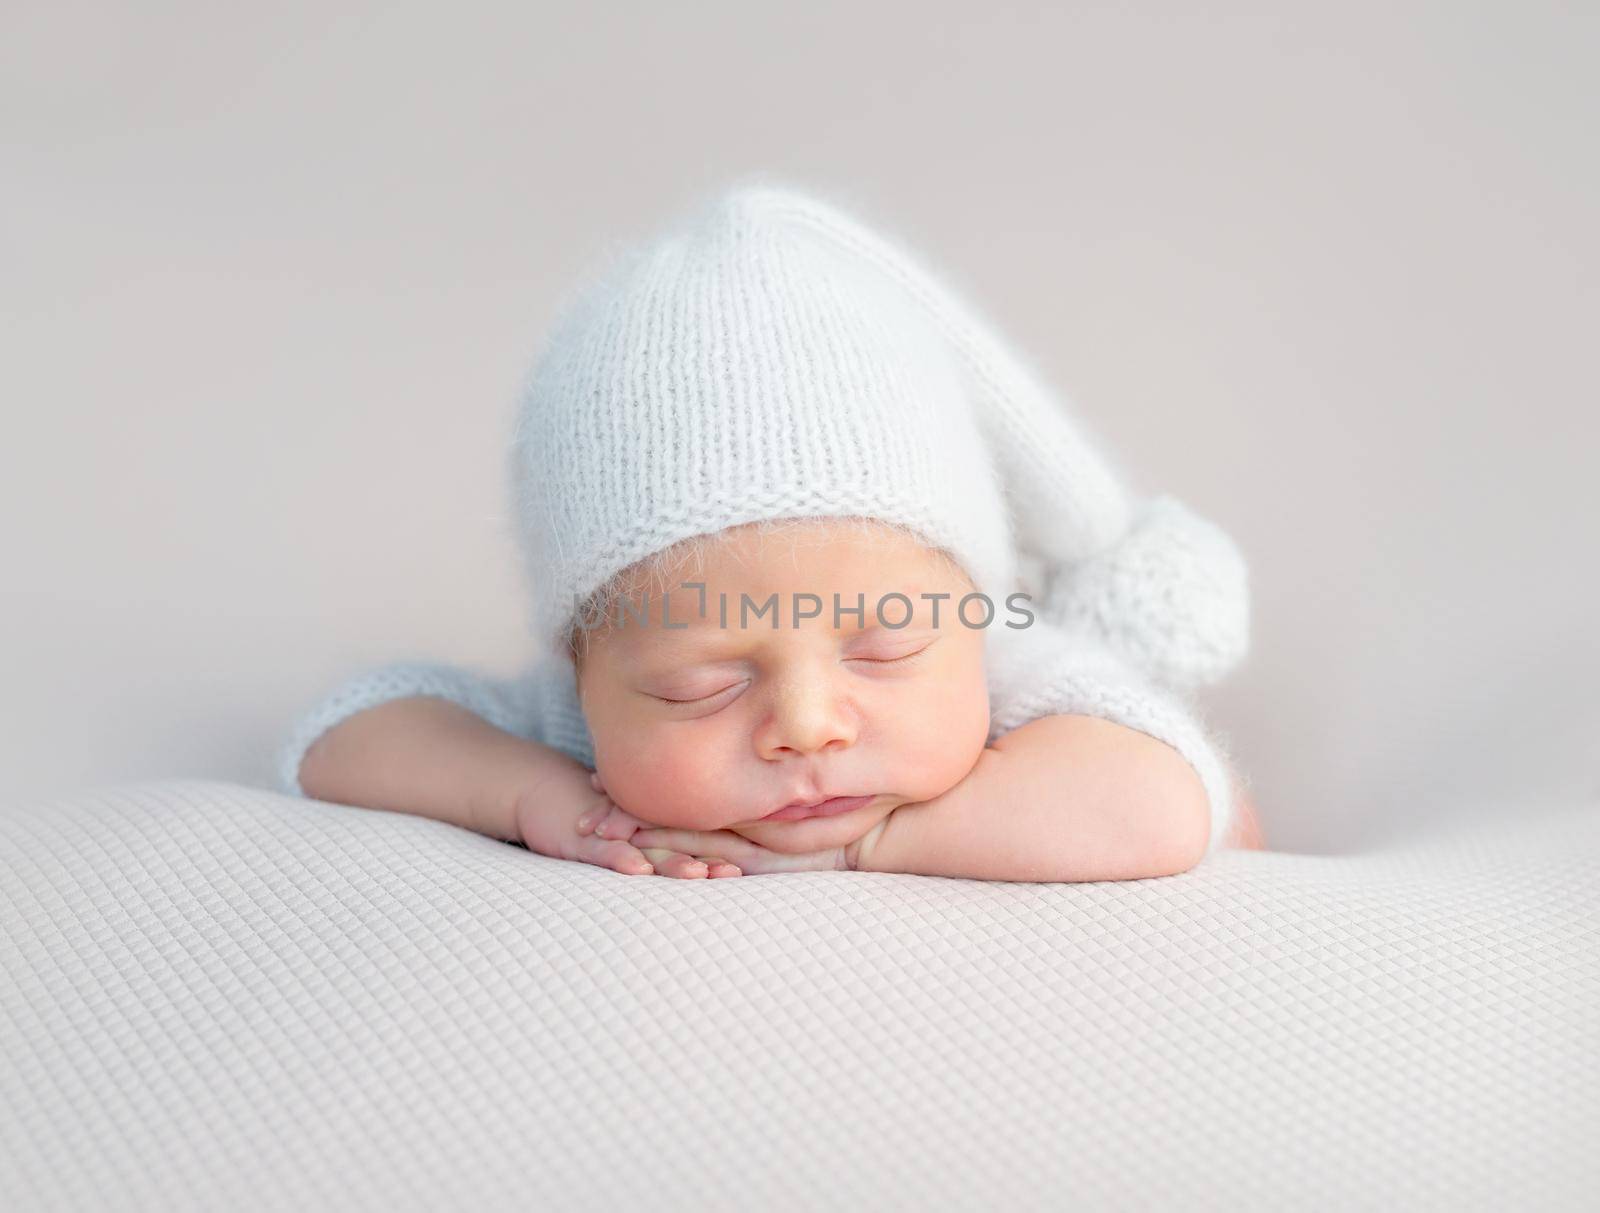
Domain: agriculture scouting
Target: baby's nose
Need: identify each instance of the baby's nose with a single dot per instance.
(808, 719)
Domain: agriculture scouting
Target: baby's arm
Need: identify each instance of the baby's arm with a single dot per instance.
(431, 757)
(434, 758)
(1061, 798)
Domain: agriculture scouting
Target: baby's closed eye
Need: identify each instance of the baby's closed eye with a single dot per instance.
(903, 658)
(883, 656)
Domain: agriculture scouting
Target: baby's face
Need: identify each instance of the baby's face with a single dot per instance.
(707, 727)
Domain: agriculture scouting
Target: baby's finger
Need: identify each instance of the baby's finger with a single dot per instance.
(615, 854)
(716, 868)
(722, 843)
(676, 863)
(592, 818)
(608, 821)
(617, 823)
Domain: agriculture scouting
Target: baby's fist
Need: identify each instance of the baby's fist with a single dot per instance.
(613, 823)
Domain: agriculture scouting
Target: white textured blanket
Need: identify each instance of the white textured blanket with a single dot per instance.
(222, 997)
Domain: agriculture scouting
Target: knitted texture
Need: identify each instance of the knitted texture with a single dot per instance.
(769, 355)
(741, 368)
(1171, 597)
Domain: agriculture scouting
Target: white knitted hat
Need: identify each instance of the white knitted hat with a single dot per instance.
(768, 356)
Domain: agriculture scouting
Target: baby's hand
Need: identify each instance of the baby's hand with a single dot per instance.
(752, 858)
(609, 822)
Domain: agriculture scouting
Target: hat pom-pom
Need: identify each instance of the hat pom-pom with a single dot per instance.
(1172, 596)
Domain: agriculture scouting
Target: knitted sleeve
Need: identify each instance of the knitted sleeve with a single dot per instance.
(541, 704)
(1048, 668)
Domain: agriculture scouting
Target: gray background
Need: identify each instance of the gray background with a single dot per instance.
(271, 276)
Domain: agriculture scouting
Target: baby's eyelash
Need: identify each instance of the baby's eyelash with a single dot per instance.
(699, 698)
(905, 659)
(894, 660)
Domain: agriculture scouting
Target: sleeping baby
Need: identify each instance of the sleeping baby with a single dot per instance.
(823, 578)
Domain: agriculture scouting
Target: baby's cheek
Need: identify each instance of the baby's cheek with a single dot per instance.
(664, 785)
(939, 738)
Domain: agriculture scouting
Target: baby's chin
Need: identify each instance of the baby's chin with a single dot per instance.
(817, 833)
